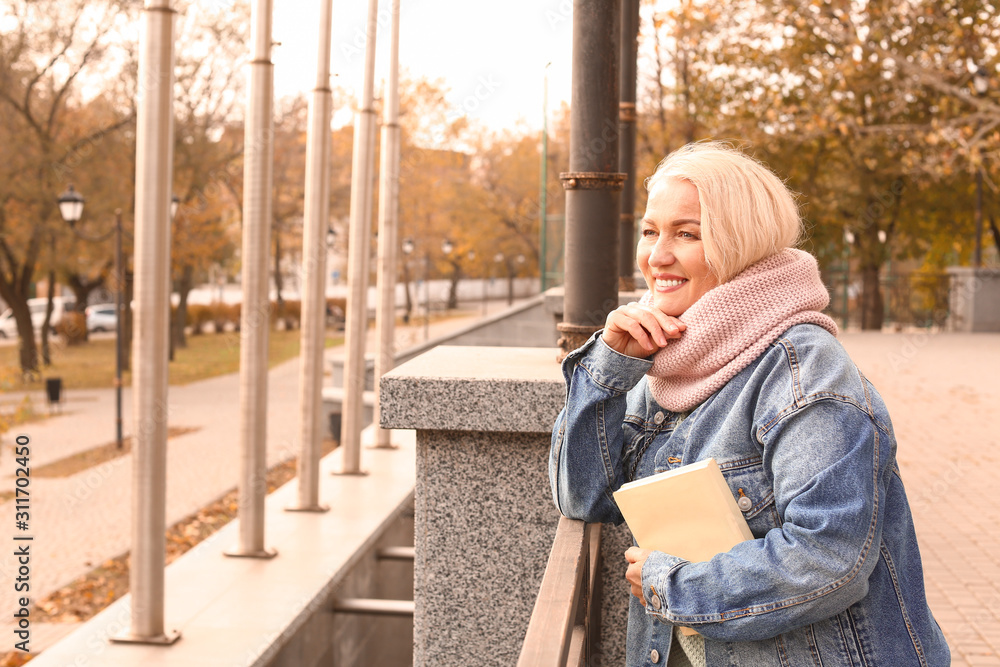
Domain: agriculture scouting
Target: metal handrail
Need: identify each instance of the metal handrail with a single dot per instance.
(565, 622)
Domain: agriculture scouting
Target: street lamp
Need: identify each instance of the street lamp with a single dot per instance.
(408, 247)
(71, 209)
(981, 84)
(848, 242)
(446, 247)
(71, 206)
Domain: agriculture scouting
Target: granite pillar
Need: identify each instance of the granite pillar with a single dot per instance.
(484, 516)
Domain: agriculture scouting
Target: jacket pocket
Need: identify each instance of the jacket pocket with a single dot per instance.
(753, 492)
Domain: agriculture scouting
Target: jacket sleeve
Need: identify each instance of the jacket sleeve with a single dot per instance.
(830, 458)
(585, 460)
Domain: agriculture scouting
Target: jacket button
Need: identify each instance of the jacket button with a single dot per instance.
(658, 418)
(744, 504)
(655, 601)
(654, 656)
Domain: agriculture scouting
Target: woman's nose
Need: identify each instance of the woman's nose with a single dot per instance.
(662, 254)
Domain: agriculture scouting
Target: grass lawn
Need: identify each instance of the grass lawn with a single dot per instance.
(92, 365)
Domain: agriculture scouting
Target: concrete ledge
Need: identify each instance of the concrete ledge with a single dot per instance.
(463, 388)
(245, 612)
(523, 325)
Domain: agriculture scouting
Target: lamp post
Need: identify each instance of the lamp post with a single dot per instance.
(498, 260)
(981, 83)
(176, 323)
(71, 208)
(407, 248)
(446, 247)
(848, 242)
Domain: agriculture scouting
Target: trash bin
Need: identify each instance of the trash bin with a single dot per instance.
(53, 388)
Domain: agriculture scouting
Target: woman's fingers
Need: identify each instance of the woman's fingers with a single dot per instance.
(672, 326)
(640, 330)
(650, 337)
(636, 557)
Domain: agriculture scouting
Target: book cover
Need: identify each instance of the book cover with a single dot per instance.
(688, 512)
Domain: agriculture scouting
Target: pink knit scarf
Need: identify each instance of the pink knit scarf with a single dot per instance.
(733, 323)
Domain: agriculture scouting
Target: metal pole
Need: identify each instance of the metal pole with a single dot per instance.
(153, 175)
(542, 224)
(592, 185)
(255, 312)
(357, 268)
(119, 294)
(626, 156)
(847, 281)
(977, 256)
(427, 296)
(388, 223)
(315, 223)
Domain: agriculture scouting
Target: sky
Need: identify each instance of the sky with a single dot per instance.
(491, 56)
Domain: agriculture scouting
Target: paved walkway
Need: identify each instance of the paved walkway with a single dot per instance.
(943, 392)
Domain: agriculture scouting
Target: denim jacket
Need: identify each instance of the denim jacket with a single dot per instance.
(834, 575)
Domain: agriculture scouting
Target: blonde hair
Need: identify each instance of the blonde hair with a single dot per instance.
(747, 212)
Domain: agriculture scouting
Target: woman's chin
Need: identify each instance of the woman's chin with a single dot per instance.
(669, 306)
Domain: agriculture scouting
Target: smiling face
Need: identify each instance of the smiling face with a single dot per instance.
(670, 253)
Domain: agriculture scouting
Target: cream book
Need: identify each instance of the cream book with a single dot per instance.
(688, 512)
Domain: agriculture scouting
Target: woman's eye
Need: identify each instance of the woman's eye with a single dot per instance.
(648, 232)
(687, 235)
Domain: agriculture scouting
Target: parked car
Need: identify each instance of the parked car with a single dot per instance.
(102, 317)
(8, 325)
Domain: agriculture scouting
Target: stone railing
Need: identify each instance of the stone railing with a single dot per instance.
(484, 519)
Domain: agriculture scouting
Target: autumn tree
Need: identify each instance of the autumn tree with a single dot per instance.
(207, 154)
(46, 47)
(863, 108)
(507, 171)
(434, 196)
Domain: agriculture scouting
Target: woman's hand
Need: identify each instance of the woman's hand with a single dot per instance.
(636, 557)
(639, 331)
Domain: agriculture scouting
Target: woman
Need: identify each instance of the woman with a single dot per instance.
(728, 356)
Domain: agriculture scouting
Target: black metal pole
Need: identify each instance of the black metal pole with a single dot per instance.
(119, 292)
(977, 255)
(593, 184)
(626, 155)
